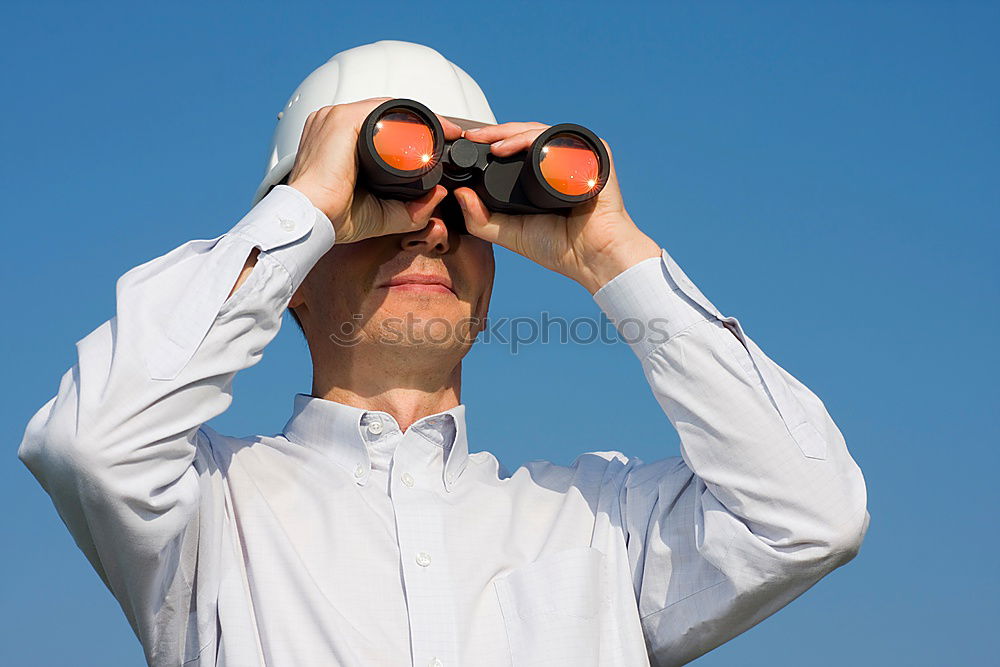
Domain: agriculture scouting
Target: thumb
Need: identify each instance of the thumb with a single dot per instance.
(374, 216)
(499, 228)
(421, 209)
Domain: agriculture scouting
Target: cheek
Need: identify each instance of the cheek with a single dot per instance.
(478, 270)
(341, 283)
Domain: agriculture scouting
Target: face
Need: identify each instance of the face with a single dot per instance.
(427, 289)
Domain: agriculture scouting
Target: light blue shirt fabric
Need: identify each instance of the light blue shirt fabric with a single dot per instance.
(342, 540)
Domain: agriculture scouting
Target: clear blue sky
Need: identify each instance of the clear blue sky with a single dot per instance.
(826, 172)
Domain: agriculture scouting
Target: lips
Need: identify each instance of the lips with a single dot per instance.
(421, 282)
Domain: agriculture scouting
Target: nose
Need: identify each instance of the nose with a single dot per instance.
(432, 239)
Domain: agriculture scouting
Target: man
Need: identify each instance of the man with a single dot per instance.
(366, 532)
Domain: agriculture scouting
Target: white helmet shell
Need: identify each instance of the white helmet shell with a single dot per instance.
(386, 68)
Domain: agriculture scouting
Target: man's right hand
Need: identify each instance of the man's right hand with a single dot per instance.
(326, 169)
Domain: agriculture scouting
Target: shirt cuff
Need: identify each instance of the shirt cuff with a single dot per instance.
(653, 301)
(287, 226)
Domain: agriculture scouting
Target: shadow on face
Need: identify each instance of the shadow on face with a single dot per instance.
(426, 289)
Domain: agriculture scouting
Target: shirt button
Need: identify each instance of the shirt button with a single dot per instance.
(435, 663)
(359, 471)
(423, 559)
(375, 427)
(287, 225)
(407, 478)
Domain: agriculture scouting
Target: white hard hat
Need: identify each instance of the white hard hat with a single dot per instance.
(386, 68)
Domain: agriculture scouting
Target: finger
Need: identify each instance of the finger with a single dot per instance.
(491, 133)
(310, 119)
(369, 103)
(358, 111)
(499, 228)
(516, 143)
(451, 129)
(340, 125)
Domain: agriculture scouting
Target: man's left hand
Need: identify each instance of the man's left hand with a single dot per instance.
(592, 245)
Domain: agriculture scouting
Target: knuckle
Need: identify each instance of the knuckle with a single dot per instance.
(316, 116)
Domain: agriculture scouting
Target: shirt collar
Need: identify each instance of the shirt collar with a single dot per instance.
(337, 428)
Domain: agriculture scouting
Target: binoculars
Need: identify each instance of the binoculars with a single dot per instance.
(402, 154)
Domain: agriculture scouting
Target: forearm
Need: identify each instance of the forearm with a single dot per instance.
(246, 271)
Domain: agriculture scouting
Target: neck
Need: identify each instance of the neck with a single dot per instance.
(408, 386)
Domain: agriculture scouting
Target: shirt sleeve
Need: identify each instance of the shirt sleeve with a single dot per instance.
(765, 498)
(118, 448)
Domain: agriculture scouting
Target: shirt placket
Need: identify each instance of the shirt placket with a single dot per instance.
(415, 489)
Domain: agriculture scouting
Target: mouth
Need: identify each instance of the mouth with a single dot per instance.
(420, 282)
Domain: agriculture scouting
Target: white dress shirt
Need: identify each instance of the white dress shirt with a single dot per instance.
(343, 541)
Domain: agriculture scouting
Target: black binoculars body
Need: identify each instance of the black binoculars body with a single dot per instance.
(403, 154)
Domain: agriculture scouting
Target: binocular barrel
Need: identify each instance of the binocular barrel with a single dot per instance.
(403, 154)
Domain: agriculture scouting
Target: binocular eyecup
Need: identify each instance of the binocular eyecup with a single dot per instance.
(402, 154)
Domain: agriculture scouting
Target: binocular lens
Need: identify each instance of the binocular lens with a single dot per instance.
(569, 164)
(404, 140)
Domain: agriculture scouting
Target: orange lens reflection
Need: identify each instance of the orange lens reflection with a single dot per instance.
(569, 165)
(403, 140)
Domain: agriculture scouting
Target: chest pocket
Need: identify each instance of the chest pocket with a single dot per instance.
(553, 608)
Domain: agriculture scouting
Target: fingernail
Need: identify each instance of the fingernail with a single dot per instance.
(497, 144)
(461, 202)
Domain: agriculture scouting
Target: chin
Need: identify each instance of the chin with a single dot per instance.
(434, 302)
(422, 305)
(422, 323)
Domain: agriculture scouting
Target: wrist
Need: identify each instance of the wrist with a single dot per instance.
(315, 195)
(617, 257)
